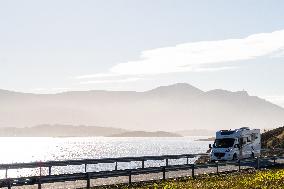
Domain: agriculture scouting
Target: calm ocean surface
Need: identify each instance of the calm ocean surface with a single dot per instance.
(15, 149)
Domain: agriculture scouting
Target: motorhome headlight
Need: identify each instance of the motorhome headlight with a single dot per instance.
(228, 150)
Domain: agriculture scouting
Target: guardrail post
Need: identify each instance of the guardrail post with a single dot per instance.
(85, 168)
(239, 163)
(143, 164)
(217, 166)
(167, 162)
(115, 168)
(40, 168)
(164, 173)
(9, 184)
(129, 181)
(187, 161)
(6, 173)
(192, 171)
(49, 170)
(257, 162)
(39, 184)
(274, 160)
(88, 181)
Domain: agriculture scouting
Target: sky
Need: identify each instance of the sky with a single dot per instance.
(62, 45)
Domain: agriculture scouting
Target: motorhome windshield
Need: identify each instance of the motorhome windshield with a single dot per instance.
(224, 143)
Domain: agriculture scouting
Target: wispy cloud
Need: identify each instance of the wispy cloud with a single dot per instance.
(99, 75)
(213, 69)
(279, 54)
(132, 79)
(198, 56)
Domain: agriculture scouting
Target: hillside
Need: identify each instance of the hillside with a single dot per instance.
(273, 138)
(177, 107)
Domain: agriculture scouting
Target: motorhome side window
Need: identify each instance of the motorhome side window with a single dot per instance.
(244, 140)
(254, 136)
(249, 139)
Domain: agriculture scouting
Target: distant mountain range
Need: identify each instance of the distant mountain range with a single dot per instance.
(59, 131)
(78, 131)
(177, 107)
(197, 132)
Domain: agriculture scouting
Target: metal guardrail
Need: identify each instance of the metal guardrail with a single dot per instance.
(93, 161)
(51, 178)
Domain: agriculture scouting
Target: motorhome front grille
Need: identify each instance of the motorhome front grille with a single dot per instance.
(219, 154)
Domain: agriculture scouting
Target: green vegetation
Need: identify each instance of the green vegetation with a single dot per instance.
(273, 138)
(269, 179)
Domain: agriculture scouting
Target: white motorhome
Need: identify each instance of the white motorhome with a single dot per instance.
(236, 144)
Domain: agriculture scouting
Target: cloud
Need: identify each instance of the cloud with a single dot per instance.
(198, 56)
(112, 81)
(213, 69)
(279, 54)
(99, 75)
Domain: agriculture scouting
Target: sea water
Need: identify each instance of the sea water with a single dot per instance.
(40, 149)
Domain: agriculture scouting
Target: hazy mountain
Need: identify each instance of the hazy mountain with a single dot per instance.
(168, 108)
(197, 132)
(59, 131)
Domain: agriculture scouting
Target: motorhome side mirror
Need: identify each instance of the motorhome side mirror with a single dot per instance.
(210, 146)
